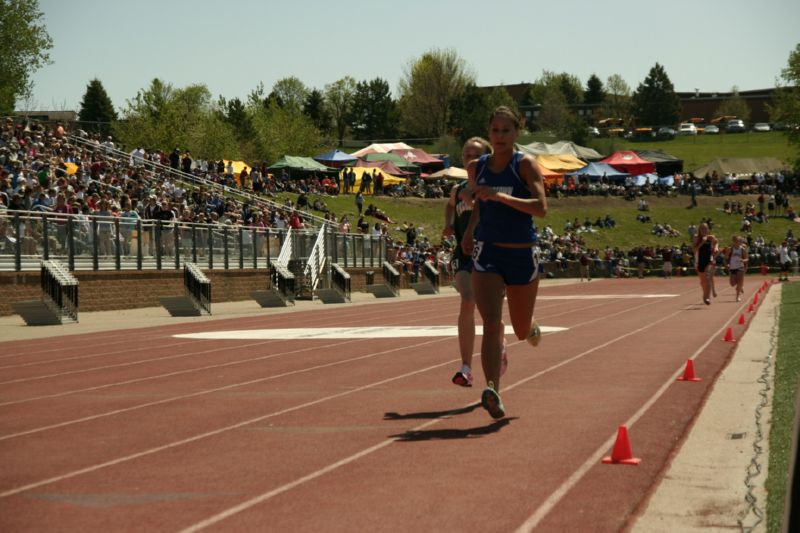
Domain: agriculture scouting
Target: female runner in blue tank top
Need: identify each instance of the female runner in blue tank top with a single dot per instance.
(509, 190)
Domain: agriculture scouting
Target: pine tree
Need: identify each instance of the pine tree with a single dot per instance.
(594, 93)
(96, 108)
(655, 102)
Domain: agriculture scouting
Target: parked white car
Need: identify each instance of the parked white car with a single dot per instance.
(711, 129)
(687, 128)
(761, 126)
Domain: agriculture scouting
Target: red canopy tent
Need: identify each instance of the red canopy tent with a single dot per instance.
(417, 156)
(385, 166)
(630, 162)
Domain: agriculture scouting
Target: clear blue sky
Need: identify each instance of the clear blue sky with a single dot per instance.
(231, 46)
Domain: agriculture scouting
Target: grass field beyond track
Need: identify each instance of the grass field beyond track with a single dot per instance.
(429, 214)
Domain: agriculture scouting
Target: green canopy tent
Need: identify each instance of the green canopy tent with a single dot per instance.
(299, 166)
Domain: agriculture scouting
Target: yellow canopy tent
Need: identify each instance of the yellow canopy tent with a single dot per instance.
(388, 179)
(554, 166)
(451, 173)
(238, 166)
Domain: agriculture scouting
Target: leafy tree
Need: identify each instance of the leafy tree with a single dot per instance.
(655, 101)
(735, 106)
(556, 117)
(594, 93)
(289, 92)
(567, 84)
(234, 112)
(314, 108)
(472, 109)
(162, 117)
(617, 101)
(374, 112)
(339, 97)
(96, 107)
(282, 130)
(786, 108)
(24, 43)
(428, 88)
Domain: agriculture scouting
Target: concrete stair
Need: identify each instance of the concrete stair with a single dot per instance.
(424, 287)
(382, 290)
(270, 298)
(181, 306)
(38, 313)
(330, 296)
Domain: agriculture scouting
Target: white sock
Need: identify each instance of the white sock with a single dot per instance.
(465, 369)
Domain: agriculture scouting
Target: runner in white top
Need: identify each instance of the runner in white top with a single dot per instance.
(737, 265)
(784, 260)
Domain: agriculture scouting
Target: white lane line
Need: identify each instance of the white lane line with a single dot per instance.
(367, 451)
(374, 332)
(198, 393)
(119, 460)
(224, 429)
(335, 319)
(557, 495)
(169, 374)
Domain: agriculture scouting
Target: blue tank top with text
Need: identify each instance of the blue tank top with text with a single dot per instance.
(499, 222)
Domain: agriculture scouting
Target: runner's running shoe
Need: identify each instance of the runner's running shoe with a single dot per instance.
(491, 401)
(535, 336)
(463, 379)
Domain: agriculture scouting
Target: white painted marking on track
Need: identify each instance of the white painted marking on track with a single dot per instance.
(604, 296)
(378, 332)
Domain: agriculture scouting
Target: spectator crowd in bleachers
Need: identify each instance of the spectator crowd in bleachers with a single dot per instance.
(42, 168)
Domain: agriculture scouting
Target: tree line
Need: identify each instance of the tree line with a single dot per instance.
(437, 100)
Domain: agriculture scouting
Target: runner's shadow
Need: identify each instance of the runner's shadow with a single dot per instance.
(450, 434)
(431, 414)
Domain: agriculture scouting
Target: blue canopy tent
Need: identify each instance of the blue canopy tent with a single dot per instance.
(595, 171)
(335, 158)
(667, 180)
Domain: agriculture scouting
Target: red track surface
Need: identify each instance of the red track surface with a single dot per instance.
(138, 430)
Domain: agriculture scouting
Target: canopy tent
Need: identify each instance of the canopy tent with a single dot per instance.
(394, 158)
(450, 173)
(560, 148)
(238, 166)
(627, 161)
(550, 176)
(740, 165)
(293, 162)
(417, 157)
(560, 163)
(669, 181)
(384, 166)
(388, 179)
(380, 148)
(595, 171)
(666, 164)
(335, 158)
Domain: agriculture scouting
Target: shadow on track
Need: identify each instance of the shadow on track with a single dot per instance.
(431, 414)
(449, 434)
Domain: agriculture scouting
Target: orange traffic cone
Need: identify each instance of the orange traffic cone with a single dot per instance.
(622, 454)
(751, 309)
(765, 286)
(741, 319)
(755, 299)
(729, 335)
(688, 374)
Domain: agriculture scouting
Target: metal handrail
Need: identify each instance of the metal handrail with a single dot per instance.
(432, 274)
(391, 276)
(316, 260)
